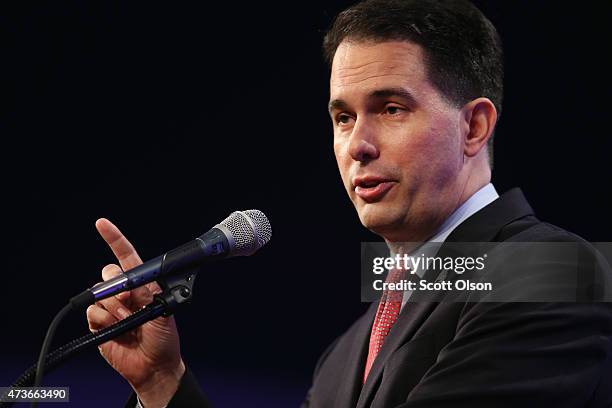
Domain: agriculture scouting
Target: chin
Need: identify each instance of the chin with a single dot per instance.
(379, 219)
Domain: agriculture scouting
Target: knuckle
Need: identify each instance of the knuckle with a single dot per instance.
(123, 296)
(104, 304)
(91, 312)
(111, 270)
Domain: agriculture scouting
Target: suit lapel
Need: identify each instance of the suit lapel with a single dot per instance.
(409, 320)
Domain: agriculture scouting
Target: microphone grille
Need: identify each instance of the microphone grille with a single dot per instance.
(262, 226)
(250, 230)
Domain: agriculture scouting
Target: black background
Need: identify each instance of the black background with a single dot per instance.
(166, 116)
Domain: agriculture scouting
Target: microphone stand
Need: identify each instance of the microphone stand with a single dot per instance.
(176, 290)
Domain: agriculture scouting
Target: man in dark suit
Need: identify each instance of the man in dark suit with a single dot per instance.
(415, 94)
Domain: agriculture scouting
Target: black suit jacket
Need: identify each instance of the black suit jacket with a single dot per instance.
(471, 354)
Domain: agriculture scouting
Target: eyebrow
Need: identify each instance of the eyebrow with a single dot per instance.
(394, 92)
(336, 104)
(377, 94)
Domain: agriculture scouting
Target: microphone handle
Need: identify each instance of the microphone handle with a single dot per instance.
(212, 245)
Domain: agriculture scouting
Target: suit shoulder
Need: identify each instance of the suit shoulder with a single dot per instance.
(530, 229)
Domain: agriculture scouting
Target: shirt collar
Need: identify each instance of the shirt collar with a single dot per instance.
(475, 203)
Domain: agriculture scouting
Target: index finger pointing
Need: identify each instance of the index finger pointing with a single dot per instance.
(122, 248)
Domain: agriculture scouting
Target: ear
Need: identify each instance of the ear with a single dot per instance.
(479, 118)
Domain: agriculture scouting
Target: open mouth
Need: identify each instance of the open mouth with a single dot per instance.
(368, 184)
(372, 189)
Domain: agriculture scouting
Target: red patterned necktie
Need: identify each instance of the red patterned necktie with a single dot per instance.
(386, 316)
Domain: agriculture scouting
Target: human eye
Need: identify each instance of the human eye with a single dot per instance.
(393, 110)
(343, 119)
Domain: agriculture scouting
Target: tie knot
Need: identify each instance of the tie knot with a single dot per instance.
(394, 294)
(395, 275)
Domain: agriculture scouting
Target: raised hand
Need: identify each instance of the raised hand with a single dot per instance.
(149, 357)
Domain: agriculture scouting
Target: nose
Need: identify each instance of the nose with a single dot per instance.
(362, 144)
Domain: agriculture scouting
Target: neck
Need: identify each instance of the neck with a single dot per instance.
(421, 230)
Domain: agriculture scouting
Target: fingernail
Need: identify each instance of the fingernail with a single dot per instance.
(123, 313)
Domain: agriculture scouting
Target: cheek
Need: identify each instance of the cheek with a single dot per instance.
(342, 160)
(447, 157)
(430, 156)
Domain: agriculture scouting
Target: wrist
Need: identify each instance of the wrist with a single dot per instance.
(159, 390)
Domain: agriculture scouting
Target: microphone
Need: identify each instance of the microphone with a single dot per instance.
(242, 233)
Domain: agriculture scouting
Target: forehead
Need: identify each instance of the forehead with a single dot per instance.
(365, 66)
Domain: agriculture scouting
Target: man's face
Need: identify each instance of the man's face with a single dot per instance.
(397, 141)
